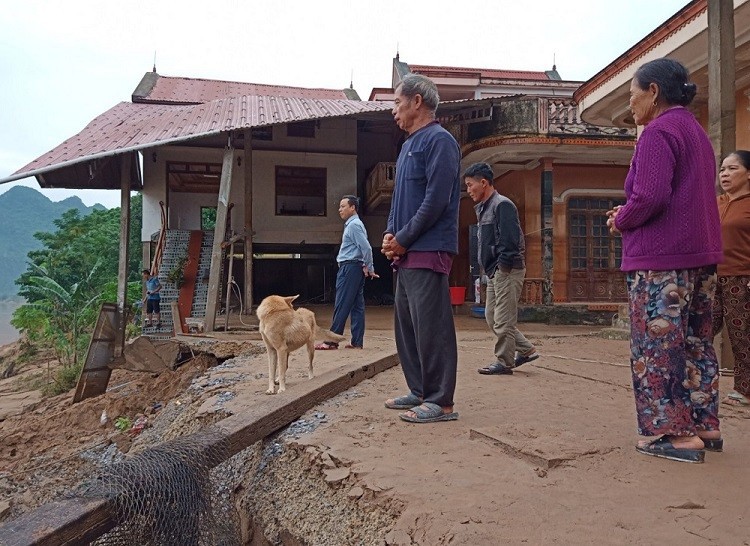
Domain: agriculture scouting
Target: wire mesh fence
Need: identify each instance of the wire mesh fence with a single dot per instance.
(166, 496)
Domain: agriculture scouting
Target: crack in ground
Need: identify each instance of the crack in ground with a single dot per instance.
(627, 388)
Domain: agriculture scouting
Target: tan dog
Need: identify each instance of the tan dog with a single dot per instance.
(285, 330)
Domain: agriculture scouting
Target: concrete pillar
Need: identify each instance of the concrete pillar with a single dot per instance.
(248, 222)
(547, 234)
(214, 275)
(122, 267)
(722, 121)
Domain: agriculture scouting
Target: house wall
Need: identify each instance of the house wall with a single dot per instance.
(524, 189)
(574, 180)
(742, 113)
(337, 137)
(331, 135)
(341, 174)
(742, 118)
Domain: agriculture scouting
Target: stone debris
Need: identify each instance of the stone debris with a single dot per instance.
(355, 492)
(335, 475)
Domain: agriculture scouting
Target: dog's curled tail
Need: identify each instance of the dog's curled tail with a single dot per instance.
(327, 335)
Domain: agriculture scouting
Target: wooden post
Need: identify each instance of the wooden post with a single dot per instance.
(122, 270)
(722, 121)
(248, 223)
(721, 76)
(214, 275)
(229, 285)
(547, 262)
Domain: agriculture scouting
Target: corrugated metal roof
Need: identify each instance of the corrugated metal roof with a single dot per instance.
(130, 127)
(167, 89)
(490, 73)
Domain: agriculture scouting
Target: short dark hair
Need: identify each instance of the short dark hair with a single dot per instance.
(743, 156)
(146, 271)
(480, 170)
(671, 77)
(417, 84)
(353, 201)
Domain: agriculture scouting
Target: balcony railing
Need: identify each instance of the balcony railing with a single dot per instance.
(532, 291)
(560, 116)
(379, 186)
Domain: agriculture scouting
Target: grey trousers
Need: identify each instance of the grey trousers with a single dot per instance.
(501, 313)
(426, 334)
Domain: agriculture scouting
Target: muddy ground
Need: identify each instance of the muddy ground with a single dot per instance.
(543, 456)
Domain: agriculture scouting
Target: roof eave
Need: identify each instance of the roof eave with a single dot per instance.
(660, 34)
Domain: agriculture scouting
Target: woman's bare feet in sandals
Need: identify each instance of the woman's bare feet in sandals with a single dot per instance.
(679, 442)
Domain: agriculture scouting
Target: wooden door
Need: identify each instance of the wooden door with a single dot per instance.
(595, 254)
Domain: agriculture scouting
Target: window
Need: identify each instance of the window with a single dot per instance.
(262, 133)
(304, 129)
(595, 254)
(208, 218)
(300, 191)
(592, 246)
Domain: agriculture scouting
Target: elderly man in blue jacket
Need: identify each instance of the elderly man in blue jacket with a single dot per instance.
(422, 238)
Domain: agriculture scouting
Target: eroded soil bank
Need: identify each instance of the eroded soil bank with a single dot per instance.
(543, 456)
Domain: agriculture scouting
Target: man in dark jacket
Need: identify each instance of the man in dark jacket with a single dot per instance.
(421, 238)
(501, 257)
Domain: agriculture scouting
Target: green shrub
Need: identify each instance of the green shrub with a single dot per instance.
(64, 380)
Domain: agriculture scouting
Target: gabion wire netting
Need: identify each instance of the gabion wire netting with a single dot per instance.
(165, 496)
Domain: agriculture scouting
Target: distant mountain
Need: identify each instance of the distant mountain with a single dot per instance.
(23, 212)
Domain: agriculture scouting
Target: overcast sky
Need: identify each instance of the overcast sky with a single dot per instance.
(63, 63)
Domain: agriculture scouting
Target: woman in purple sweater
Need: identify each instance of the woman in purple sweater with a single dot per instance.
(671, 240)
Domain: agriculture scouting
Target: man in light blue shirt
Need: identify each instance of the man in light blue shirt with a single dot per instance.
(355, 265)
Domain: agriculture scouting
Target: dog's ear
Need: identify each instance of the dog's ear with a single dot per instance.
(290, 299)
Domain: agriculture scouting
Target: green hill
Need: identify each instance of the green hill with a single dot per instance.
(23, 212)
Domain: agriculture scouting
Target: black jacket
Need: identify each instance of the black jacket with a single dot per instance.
(501, 241)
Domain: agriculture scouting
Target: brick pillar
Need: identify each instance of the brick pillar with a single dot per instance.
(547, 234)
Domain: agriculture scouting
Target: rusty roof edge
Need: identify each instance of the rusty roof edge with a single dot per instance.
(183, 138)
(108, 153)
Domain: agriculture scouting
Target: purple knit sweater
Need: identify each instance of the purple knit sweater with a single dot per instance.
(670, 219)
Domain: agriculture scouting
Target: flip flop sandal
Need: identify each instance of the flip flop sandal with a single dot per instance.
(407, 401)
(737, 397)
(496, 369)
(666, 450)
(428, 413)
(716, 445)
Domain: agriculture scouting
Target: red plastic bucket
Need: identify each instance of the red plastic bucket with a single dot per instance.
(458, 295)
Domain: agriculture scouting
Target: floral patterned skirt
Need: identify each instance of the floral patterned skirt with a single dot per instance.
(673, 362)
(732, 308)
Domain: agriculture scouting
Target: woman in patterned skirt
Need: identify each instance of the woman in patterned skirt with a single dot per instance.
(671, 239)
(732, 303)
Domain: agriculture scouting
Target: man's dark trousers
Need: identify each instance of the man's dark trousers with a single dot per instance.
(426, 334)
(350, 300)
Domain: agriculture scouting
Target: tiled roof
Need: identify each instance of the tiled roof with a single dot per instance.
(166, 89)
(488, 73)
(130, 127)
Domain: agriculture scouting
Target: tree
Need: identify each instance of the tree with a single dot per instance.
(64, 309)
(66, 280)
